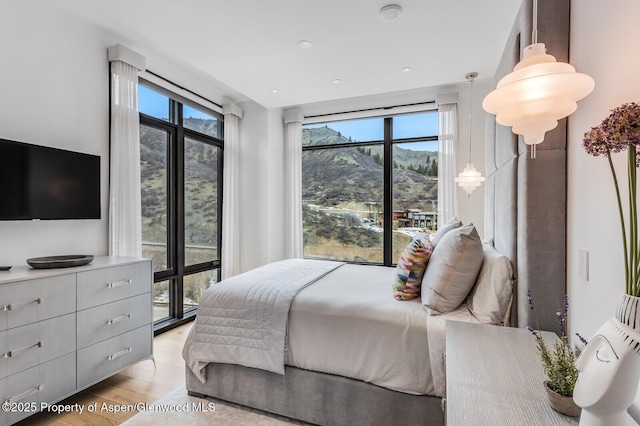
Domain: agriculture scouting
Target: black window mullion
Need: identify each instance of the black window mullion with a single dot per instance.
(192, 134)
(171, 201)
(388, 196)
(180, 210)
(219, 207)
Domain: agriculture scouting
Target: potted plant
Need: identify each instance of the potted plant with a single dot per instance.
(559, 365)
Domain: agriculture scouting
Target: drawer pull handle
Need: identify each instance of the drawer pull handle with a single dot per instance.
(17, 351)
(118, 319)
(119, 354)
(12, 306)
(119, 283)
(24, 394)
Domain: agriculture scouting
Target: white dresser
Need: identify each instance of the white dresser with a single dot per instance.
(62, 330)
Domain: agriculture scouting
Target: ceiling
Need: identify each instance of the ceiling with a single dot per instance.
(252, 45)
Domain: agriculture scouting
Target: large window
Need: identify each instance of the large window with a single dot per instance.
(368, 185)
(181, 172)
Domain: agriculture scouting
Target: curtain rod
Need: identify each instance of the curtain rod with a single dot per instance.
(369, 112)
(182, 88)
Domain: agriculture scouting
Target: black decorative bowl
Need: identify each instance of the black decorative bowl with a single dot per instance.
(60, 261)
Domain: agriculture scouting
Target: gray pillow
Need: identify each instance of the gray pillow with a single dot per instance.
(452, 270)
(452, 223)
(491, 298)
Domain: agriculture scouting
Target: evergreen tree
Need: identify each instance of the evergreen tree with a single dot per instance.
(434, 168)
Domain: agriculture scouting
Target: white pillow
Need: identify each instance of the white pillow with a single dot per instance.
(452, 223)
(452, 270)
(491, 298)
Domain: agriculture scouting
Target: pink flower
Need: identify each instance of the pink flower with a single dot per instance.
(616, 132)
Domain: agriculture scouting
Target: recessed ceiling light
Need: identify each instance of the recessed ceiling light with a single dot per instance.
(274, 91)
(390, 12)
(304, 44)
(337, 81)
(406, 69)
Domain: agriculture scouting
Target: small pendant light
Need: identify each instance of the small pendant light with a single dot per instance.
(538, 93)
(470, 178)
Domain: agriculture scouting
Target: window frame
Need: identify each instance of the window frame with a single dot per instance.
(175, 203)
(387, 142)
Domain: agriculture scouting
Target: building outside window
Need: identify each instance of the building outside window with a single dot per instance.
(368, 185)
(181, 147)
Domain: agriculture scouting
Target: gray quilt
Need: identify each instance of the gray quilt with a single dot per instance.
(243, 320)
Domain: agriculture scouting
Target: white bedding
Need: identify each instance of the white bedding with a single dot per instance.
(346, 323)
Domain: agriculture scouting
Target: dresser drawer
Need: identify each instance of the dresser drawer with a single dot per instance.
(48, 382)
(110, 356)
(101, 286)
(25, 302)
(106, 321)
(27, 346)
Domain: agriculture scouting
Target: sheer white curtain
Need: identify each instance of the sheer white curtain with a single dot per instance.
(293, 183)
(230, 256)
(447, 140)
(125, 226)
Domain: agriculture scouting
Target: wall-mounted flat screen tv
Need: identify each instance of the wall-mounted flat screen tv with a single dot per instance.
(38, 182)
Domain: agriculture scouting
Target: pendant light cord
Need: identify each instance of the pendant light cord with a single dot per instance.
(470, 113)
(534, 40)
(534, 33)
(471, 76)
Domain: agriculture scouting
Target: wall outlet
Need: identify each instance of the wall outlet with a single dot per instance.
(583, 264)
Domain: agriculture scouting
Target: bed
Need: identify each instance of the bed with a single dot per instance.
(299, 336)
(323, 392)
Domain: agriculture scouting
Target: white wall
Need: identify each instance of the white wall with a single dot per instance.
(605, 41)
(54, 90)
(261, 186)
(274, 161)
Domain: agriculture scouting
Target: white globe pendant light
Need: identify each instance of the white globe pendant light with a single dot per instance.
(539, 92)
(470, 179)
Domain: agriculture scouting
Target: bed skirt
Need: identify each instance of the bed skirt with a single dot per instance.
(314, 397)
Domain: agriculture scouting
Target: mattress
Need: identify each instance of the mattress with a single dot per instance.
(349, 324)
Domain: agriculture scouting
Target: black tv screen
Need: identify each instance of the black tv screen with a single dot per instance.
(38, 182)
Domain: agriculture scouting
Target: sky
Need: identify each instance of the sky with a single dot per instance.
(157, 105)
(405, 126)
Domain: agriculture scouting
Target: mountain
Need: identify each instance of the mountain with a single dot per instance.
(333, 176)
(204, 126)
(201, 196)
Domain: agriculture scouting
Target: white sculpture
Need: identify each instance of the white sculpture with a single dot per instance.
(609, 369)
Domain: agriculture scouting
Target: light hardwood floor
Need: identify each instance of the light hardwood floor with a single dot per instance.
(142, 382)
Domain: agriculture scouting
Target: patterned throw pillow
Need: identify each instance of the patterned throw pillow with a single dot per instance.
(411, 267)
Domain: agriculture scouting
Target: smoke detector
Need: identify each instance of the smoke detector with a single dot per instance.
(390, 12)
